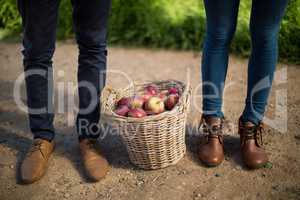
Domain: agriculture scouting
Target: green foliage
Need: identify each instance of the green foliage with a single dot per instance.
(167, 23)
(65, 22)
(241, 41)
(9, 16)
(157, 23)
(289, 37)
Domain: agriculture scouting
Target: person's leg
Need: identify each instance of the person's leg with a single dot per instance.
(221, 19)
(39, 19)
(264, 27)
(90, 22)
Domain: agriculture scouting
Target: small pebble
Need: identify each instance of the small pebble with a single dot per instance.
(66, 195)
(182, 172)
(139, 183)
(121, 180)
(297, 137)
(275, 187)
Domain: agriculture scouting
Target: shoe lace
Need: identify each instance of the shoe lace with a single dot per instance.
(212, 131)
(92, 145)
(37, 146)
(255, 132)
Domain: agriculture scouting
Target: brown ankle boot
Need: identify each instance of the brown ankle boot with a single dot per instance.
(254, 156)
(35, 164)
(95, 164)
(212, 153)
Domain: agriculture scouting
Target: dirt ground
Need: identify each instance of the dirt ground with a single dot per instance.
(189, 179)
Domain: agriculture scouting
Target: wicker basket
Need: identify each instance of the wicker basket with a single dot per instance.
(154, 141)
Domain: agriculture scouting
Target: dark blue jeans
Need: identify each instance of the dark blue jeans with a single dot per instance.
(221, 18)
(39, 23)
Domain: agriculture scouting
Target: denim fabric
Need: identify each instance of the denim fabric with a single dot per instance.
(221, 21)
(39, 19)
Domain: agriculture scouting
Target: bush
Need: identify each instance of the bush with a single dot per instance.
(157, 23)
(289, 37)
(9, 16)
(168, 24)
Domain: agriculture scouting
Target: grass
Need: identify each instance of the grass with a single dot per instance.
(171, 24)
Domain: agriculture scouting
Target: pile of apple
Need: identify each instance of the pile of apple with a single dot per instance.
(151, 102)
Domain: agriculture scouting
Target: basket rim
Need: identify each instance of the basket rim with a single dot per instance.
(157, 117)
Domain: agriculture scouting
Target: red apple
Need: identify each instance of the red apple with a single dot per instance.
(122, 110)
(125, 101)
(151, 89)
(136, 102)
(173, 90)
(136, 113)
(146, 96)
(171, 101)
(163, 95)
(155, 105)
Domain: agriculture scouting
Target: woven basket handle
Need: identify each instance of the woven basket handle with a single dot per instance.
(186, 97)
(105, 95)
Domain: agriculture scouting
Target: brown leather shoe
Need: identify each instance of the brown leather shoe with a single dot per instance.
(212, 153)
(95, 163)
(254, 156)
(35, 164)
